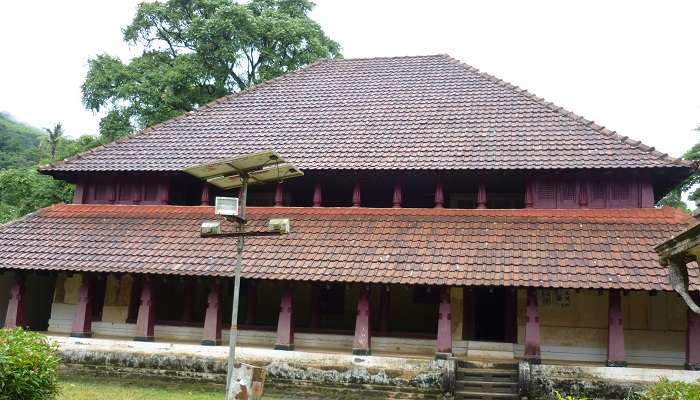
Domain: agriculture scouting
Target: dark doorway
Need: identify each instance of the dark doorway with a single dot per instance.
(489, 314)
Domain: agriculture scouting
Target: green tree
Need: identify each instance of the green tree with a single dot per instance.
(24, 190)
(54, 138)
(674, 197)
(196, 51)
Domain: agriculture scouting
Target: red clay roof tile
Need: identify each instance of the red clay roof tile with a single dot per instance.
(526, 247)
(426, 112)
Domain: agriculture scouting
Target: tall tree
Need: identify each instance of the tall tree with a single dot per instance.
(196, 51)
(674, 198)
(54, 138)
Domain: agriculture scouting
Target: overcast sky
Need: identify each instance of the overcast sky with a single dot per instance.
(632, 66)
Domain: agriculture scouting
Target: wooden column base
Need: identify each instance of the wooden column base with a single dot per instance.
(616, 363)
(286, 347)
(442, 356)
(211, 343)
(81, 334)
(144, 339)
(692, 367)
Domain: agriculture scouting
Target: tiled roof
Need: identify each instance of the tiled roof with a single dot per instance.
(425, 112)
(541, 248)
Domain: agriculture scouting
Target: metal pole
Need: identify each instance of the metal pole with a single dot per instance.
(236, 287)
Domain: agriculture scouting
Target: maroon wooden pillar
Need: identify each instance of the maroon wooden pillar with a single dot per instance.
(481, 195)
(444, 332)
(361, 346)
(439, 196)
(692, 349)
(15, 315)
(204, 198)
(583, 194)
(315, 306)
(616, 333)
(82, 321)
(528, 201)
(397, 199)
(279, 195)
(285, 324)
(318, 195)
(532, 328)
(146, 316)
(252, 302)
(356, 195)
(385, 308)
(212, 318)
(79, 194)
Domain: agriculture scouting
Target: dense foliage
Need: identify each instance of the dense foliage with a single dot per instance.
(671, 390)
(22, 148)
(196, 51)
(28, 366)
(19, 144)
(674, 197)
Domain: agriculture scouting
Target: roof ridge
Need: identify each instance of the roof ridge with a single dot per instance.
(389, 57)
(150, 129)
(605, 132)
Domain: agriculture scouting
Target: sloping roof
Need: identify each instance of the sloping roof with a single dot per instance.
(424, 112)
(526, 247)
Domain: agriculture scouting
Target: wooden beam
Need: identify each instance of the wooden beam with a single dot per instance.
(481, 195)
(532, 328)
(279, 195)
(146, 317)
(82, 320)
(444, 331)
(212, 317)
(285, 323)
(397, 199)
(15, 315)
(616, 333)
(205, 197)
(363, 337)
(692, 349)
(318, 195)
(439, 196)
(357, 195)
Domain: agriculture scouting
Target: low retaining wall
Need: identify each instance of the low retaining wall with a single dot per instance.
(412, 377)
(598, 382)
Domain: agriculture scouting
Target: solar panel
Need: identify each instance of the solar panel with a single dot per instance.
(234, 165)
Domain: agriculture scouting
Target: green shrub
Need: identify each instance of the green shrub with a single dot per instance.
(671, 390)
(558, 396)
(28, 366)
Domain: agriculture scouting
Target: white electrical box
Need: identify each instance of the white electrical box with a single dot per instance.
(211, 228)
(226, 206)
(279, 225)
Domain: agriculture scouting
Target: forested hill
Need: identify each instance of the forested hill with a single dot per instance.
(19, 143)
(22, 149)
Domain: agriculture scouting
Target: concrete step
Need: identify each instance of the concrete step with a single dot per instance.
(493, 375)
(487, 386)
(475, 395)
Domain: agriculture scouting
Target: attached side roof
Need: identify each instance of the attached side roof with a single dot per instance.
(424, 112)
(539, 248)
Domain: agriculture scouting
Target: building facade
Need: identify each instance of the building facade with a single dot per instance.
(442, 211)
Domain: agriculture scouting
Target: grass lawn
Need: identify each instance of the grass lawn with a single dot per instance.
(95, 389)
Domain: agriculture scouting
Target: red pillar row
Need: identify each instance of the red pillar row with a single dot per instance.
(15, 316)
(285, 324)
(532, 328)
(362, 343)
(146, 317)
(692, 351)
(444, 333)
(82, 321)
(212, 318)
(616, 333)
